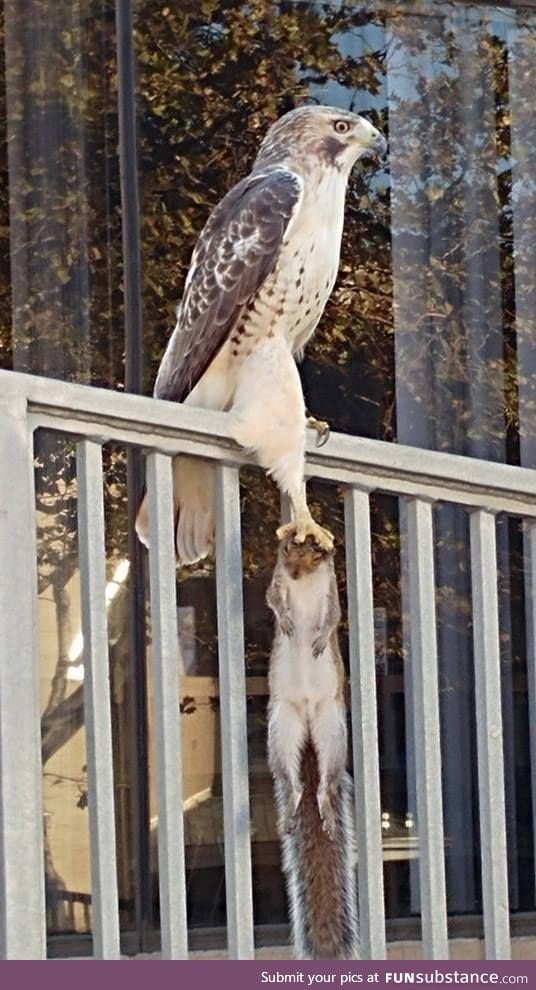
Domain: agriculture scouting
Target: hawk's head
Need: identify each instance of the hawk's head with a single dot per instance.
(312, 136)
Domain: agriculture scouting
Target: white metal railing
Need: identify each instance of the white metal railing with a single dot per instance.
(419, 477)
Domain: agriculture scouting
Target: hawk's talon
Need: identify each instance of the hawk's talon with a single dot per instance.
(286, 530)
(300, 529)
(322, 429)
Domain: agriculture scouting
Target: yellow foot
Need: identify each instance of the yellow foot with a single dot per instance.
(300, 529)
(322, 429)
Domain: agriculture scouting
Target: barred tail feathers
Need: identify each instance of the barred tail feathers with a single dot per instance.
(193, 484)
(320, 872)
(193, 488)
(193, 479)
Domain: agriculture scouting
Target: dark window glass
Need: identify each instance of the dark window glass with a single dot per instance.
(424, 341)
(427, 340)
(62, 315)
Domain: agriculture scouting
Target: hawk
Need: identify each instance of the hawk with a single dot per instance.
(260, 275)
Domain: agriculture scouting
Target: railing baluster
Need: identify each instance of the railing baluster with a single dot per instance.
(489, 734)
(233, 716)
(165, 638)
(529, 551)
(420, 545)
(22, 890)
(104, 898)
(364, 724)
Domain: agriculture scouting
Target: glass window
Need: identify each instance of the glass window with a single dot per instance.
(421, 343)
(427, 340)
(62, 316)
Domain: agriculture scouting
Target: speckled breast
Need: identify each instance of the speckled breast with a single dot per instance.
(292, 299)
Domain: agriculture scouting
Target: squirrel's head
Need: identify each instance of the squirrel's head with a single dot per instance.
(300, 559)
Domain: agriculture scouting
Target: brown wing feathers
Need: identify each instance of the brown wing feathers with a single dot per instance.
(236, 252)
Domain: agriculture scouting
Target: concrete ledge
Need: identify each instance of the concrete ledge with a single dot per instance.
(460, 948)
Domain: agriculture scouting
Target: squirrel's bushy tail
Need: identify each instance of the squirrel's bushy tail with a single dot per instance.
(321, 872)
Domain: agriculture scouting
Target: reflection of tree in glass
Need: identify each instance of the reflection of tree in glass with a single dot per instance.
(212, 75)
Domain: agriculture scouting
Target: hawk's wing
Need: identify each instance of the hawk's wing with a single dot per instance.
(236, 252)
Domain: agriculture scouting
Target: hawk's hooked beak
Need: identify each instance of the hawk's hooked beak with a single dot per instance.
(377, 148)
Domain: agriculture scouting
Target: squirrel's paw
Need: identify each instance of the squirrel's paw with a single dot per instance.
(289, 818)
(327, 815)
(319, 645)
(287, 625)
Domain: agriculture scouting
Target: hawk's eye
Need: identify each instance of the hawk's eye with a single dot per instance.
(341, 126)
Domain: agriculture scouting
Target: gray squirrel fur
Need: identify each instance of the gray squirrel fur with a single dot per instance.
(307, 752)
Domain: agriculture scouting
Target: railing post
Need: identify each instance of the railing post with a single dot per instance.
(22, 897)
(424, 669)
(489, 734)
(97, 709)
(166, 666)
(233, 716)
(365, 723)
(529, 550)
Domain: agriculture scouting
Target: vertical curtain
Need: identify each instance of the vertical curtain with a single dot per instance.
(66, 322)
(449, 341)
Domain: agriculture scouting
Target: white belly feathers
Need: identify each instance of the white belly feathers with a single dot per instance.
(293, 298)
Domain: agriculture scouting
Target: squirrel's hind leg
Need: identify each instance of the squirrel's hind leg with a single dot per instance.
(328, 730)
(286, 737)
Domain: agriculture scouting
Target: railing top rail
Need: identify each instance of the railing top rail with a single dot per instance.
(106, 415)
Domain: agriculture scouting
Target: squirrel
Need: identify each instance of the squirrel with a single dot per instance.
(307, 751)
